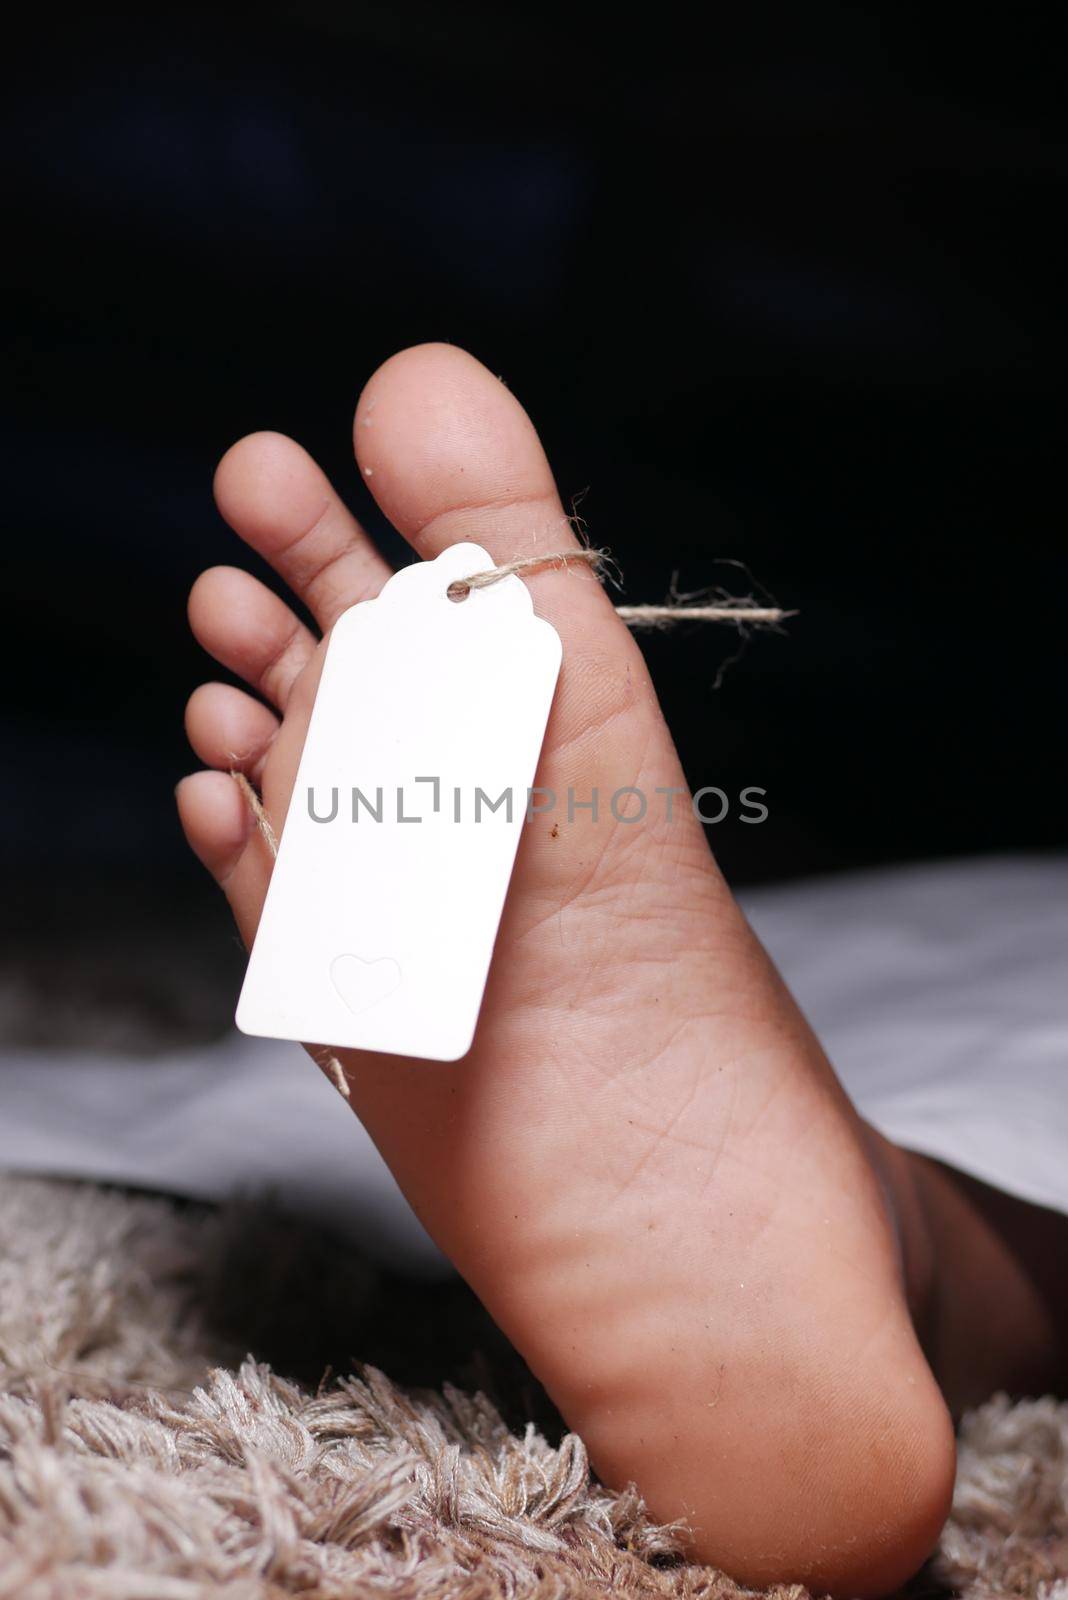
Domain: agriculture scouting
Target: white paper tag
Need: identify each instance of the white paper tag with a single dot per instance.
(405, 818)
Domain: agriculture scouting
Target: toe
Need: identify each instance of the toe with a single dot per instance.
(438, 436)
(450, 454)
(281, 503)
(229, 729)
(215, 819)
(250, 630)
(221, 831)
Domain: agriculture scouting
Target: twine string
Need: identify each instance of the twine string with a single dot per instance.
(742, 613)
(326, 1059)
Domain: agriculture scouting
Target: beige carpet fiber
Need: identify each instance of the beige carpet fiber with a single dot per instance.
(145, 1456)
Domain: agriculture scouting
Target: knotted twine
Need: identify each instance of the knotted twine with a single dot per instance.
(742, 613)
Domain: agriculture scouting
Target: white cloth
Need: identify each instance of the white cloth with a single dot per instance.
(939, 994)
(938, 991)
(245, 1116)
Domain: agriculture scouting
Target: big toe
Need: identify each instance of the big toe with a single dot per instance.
(450, 454)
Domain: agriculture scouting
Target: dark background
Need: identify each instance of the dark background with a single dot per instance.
(788, 293)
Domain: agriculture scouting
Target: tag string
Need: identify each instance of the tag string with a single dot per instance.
(325, 1058)
(743, 613)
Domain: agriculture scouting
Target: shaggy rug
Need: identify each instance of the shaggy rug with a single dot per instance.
(145, 1456)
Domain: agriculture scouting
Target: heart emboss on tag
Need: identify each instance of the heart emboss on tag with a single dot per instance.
(363, 984)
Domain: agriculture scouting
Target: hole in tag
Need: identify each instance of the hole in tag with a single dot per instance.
(458, 591)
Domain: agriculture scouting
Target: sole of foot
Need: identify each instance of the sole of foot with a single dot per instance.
(645, 1166)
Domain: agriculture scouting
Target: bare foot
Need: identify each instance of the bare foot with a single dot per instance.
(645, 1167)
